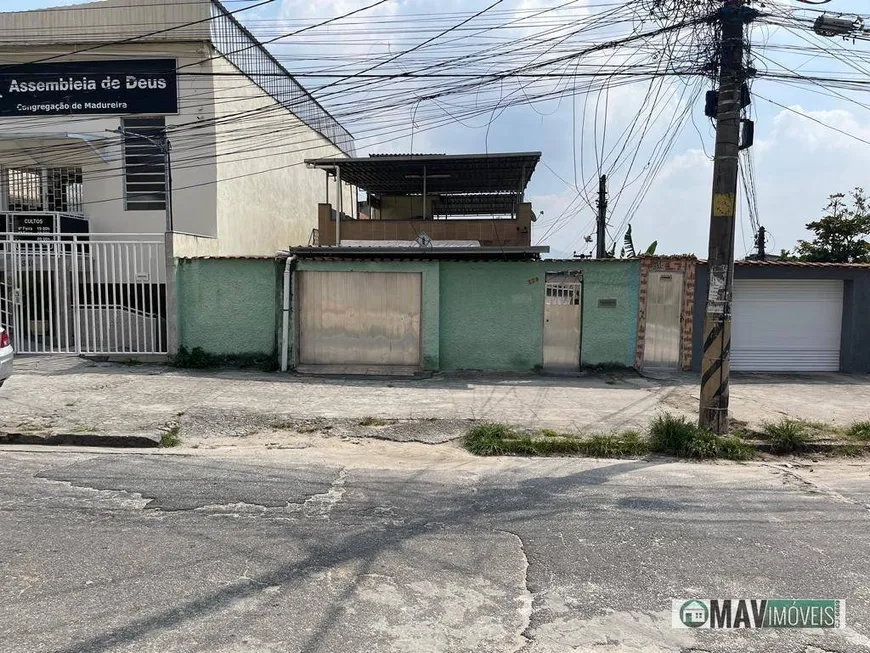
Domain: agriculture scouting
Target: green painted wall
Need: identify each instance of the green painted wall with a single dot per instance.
(429, 318)
(491, 315)
(476, 316)
(228, 306)
(608, 335)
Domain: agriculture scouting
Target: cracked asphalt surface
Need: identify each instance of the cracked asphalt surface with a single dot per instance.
(378, 546)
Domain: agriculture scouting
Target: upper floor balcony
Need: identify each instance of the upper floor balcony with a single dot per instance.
(502, 231)
(469, 200)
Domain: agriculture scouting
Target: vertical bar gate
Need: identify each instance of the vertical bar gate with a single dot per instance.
(74, 294)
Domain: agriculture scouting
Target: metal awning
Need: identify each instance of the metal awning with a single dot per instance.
(402, 174)
(411, 253)
(96, 143)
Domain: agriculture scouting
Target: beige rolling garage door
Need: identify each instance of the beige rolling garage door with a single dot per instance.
(359, 318)
(786, 325)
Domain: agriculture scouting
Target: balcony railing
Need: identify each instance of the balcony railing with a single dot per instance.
(499, 232)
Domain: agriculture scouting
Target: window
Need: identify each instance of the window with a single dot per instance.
(24, 189)
(144, 164)
(44, 189)
(63, 190)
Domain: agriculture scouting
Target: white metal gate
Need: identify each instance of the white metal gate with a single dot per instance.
(75, 294)
(562, 306)
(664, 310)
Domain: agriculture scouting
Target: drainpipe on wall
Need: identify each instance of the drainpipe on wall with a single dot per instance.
(285, 318)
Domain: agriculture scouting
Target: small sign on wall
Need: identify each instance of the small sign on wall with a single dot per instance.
(40, 225)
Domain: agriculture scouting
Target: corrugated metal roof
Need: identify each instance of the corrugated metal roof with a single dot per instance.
(397, 174)
(406, 154)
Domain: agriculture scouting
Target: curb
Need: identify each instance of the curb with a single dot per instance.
(131, 440)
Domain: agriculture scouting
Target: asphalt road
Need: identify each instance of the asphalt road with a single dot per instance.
(386, 547)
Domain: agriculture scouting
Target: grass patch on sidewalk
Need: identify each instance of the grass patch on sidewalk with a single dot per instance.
(502, 440)
(171, 437)
(677, 436)
(859, 431)
(670, 435)
(787, 435)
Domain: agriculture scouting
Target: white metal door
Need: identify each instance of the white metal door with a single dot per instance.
(83, 295)
(562, 306)
(781, 325)
(359, 318)
(664, 308)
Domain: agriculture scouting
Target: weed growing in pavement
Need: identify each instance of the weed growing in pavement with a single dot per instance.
(670, 435)
(677, 436)
(82, 428)
(502, 440)
(171, 437)
(497, 440)
(786, 435)
(859, 431)
(616, 445)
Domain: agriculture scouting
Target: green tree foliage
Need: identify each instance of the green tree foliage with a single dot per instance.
(628, 248)
(841, 234)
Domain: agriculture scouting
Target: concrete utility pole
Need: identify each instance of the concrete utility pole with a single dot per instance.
(165, 148)
(600, 248)
(716, 362)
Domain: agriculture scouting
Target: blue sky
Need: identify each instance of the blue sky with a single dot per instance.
(797, 162)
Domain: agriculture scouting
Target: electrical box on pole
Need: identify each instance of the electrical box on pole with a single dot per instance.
(835, 26)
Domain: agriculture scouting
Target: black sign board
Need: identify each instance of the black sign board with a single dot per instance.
(89, 87)
(38, 224)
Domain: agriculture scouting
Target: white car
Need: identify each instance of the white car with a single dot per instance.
(6, 356)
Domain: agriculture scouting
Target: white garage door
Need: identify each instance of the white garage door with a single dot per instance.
(786, 326)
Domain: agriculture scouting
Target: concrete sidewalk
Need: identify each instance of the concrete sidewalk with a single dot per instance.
(76, 395)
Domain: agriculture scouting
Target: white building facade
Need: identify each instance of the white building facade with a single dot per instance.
(123, 120)
(239, 126)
